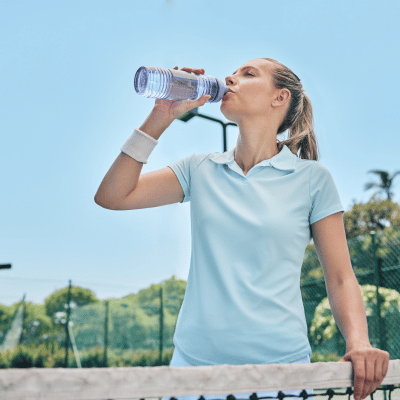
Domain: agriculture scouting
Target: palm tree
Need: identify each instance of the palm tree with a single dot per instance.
(385, 184)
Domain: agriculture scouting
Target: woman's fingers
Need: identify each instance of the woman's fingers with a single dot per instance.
(202, 100)
(199, 71)
(195, 70)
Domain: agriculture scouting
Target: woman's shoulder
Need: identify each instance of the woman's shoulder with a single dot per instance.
(314, 165)
(194, 160)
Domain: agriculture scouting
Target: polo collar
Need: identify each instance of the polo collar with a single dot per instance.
(285, 160)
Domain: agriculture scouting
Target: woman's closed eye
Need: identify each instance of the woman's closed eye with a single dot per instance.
(248, 73)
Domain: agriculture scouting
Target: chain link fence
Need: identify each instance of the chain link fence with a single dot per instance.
(146, 321)
(376, 263)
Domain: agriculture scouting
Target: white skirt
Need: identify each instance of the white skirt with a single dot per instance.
(178, 361)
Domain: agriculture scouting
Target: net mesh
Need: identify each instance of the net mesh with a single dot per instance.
(13, 335)
(388, 392)
(261, 381)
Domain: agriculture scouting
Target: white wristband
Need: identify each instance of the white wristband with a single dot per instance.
(139, 146)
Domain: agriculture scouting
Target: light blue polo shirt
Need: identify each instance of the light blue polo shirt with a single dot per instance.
(243, 303)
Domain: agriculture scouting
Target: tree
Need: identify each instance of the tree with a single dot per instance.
(37, 325)
(323, 327)
(375, 215)
(56, 304)
(174, 292)
(6, 315)
(385, 184)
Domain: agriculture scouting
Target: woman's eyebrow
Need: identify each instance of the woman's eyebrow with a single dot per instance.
(248, 67)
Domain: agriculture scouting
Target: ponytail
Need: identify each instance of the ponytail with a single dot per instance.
(299, 118)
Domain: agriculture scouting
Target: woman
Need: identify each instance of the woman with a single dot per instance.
(254, 209)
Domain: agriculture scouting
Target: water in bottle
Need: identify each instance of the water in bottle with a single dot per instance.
(171, 84)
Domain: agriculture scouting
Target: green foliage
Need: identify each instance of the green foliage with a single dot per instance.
(26, 357)
(173, 292)
(6, 315)
(22, 357)
(94, 358)
(58, 358)
(139, 358)
(128, 327)
(389, 246)
(36, 324)
(324, 328)
(134, 320)
(311, 269)
(5, 359)
(57, 303)
(319, 357)
(374, 215)
(383, 216)
(361, 254)
(385, 184)
(41, 356)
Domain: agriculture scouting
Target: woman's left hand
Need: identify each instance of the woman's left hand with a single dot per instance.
(370, 366)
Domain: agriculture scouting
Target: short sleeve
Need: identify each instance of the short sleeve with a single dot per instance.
(184, 169)
(324, 195)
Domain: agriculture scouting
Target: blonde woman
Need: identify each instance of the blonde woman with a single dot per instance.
(254, 209)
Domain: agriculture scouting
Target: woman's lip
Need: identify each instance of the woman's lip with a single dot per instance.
(224, 96)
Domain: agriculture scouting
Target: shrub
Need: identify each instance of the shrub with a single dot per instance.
(5, 359)
(21, 358)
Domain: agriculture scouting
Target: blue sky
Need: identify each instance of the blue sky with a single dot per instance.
(67, 104)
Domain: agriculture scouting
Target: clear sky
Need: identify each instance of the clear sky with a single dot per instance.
(67, 105)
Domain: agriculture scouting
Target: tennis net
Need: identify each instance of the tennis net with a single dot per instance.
(321, 380)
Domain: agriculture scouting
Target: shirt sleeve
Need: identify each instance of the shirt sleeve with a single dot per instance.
(184, 169)
(181, 169)
(324, 195)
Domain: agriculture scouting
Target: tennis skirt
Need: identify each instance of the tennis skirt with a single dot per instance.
(178, 361)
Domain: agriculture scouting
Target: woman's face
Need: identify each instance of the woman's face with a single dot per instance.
(253, 92)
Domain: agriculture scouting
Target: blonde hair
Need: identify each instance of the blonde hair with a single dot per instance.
(299, 118)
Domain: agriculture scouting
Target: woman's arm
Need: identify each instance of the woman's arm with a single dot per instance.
(370, 365)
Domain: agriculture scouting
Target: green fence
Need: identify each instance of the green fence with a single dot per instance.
(376, 263)
(146, 320)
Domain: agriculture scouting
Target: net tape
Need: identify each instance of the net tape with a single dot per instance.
(330, 393)
(171, 382)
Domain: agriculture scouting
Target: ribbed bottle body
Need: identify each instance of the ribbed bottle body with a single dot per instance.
(164, 83)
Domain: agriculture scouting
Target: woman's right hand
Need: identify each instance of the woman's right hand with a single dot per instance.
(172, 109)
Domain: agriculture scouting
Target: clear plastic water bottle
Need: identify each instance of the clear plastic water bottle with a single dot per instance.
(165, 83)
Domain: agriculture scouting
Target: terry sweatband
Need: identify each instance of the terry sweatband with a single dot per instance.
(139, 146)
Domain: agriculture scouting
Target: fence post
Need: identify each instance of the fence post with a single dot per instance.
(377, 275)
(66, 325)
(161, 323)
(383, 332)
(105, 361)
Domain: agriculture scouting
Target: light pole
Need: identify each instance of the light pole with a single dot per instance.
(194, 112)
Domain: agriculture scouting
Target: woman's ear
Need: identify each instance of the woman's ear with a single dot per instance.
(282, 98)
